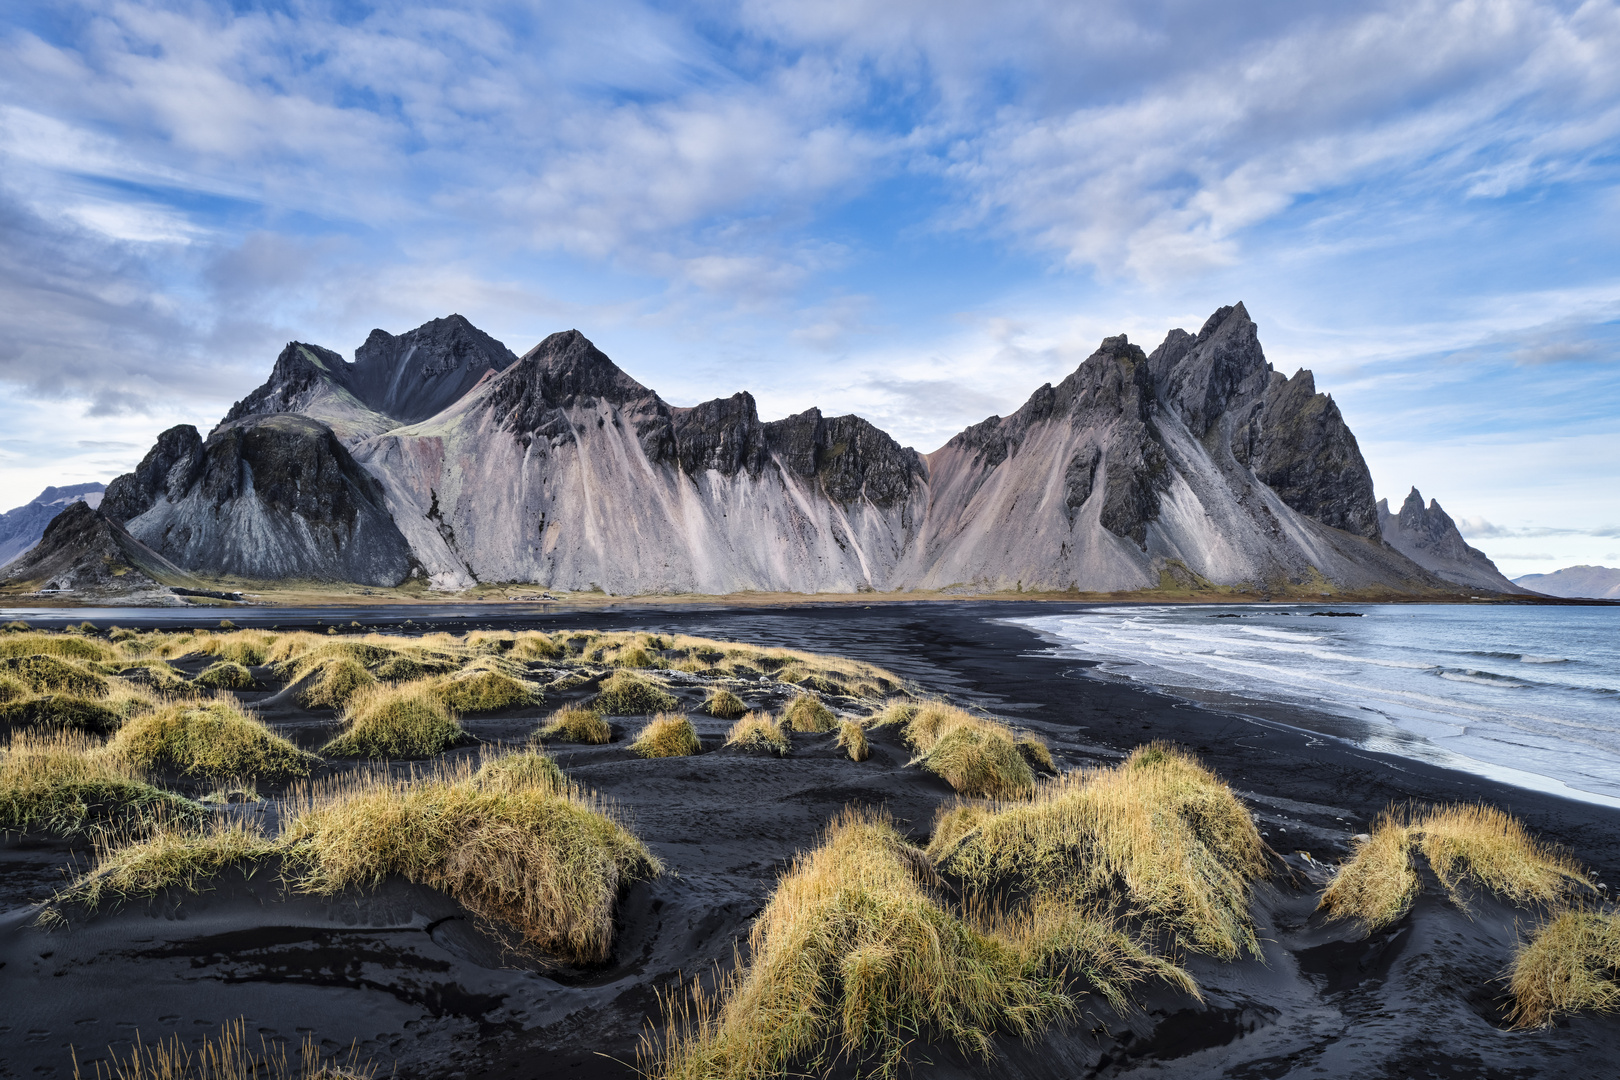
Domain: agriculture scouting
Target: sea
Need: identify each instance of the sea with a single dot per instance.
(1525, 695)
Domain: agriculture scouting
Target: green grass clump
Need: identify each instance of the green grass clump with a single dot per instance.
(724, 705)
(406, 721)
(216, 738)
(634, 656)
(538, 646)
(1159, 835)
(15, 626)
(62, 646)
(757, 731)
(11, 689)
(524, 768)
(807, 713)
(340, 680)
(626, 694)
(64, 784)
(484, 691)
(250, 648)
(852, 737)
(49, 675)
(577, 724)
(667, 735)
(62, 711)
(225, 675)
(858, 955)
(1571, 964)
(1479, 843)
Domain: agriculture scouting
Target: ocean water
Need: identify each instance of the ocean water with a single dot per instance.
(1528, 695)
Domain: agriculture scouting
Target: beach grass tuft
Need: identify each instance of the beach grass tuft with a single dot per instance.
(627, 694)
(757, 731)
(856, 956)
(225, 675)
(806, 713)
(404, 721)
(577, 724)
(1463, 844)
(1571, 964)
(852, 737)
(667, 735)
(226, 1056)
(66, 712)
(215, 738)
(63, 783)
(485, 690)
(724, 705)
(340, 679)
(43, 674)
(522, 768)
(977, 756)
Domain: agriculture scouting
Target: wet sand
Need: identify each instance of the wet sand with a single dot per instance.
(404, 973)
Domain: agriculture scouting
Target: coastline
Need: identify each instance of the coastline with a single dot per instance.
(1323, 996)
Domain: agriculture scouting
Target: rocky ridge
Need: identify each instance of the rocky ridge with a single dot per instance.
(22, 527)
(1585, 581)
(439, 452)
(86, 554)
(1429, 537)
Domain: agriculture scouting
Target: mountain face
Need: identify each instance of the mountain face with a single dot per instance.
(1430, 538)
(1596, 582)
(438, 451)
(270, 497)
(21, 528)
(86, 553)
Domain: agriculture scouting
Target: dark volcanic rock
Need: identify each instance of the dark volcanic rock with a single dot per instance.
(84, 551)
(424, 371)
(268, 497)
(724, 435)
(22, 527)
(849, 457)
(301, 372)
(174, 464)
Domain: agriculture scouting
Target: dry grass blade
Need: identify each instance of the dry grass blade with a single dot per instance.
(1571, 964)
(169, 857)
(226, 1056)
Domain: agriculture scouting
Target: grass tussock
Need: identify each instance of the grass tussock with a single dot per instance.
(577, 724)
(1570, 965)
(250, 648)
(1159, 838)
(226, 1056)
(62, 712)
(340, 679)
(1462, 844)
(406, 721)
(485, 690)
(61, 646)
(63, 784)
(895, 712)
(724, 705)
(215, 738)
(50, 675)
(857, 955)
(757, 731)
(977, 756)
(225, 675)
(807, 713)
(627, 694)
(508, 842)
(667, 735)
(11, 689)
(852, 737)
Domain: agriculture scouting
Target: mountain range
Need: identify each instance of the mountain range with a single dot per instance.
(439, 454)
(22, 527)
(1596, 582)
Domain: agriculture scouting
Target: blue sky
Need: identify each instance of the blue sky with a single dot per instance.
(917, 211)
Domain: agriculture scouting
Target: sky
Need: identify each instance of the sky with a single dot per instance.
(914, 210)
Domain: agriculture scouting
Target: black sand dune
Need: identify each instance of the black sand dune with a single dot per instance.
(404, 972)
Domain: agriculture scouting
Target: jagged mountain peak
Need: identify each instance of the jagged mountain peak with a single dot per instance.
(567, 367)
(1428, 536)
(419, 373)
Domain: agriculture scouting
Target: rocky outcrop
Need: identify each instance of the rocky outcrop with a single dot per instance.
(22, 527)
(1429, 537)
(1195, 464)
(86, 554)
(267, 497)
(1585, 581)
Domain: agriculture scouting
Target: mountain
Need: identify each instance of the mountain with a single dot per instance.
(86, 553)
(1598, 582)
(20, 529)
(1430, 538)
(439, 452)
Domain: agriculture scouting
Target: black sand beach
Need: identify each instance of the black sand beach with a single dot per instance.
(403, 972)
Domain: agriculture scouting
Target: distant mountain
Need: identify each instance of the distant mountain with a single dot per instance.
(20, 529)
(438, 452)
(1597, 582)
(1430, 538)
